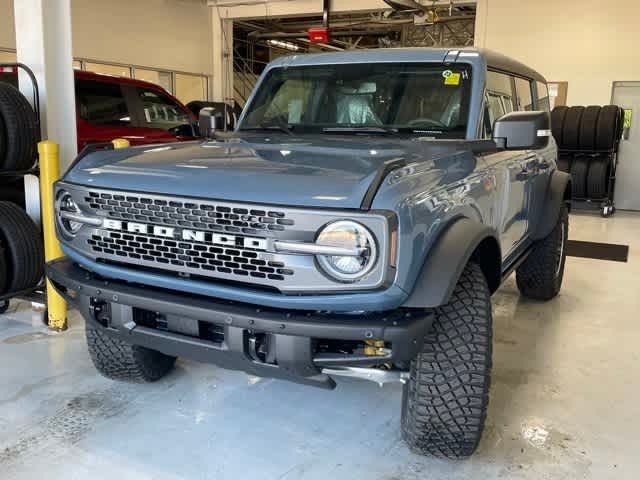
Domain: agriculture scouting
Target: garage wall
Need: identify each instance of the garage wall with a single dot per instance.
(170, 34)
(588, 43)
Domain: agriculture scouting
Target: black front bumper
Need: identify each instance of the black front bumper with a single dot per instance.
(291, 335)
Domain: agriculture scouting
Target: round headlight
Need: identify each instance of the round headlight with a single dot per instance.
(351, 235)
(65, 203)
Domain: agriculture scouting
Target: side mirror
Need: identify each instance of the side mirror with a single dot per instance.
(523, 130)
(210, 122)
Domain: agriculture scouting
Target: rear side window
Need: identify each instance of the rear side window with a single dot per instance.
(499, 100)
(160, 111)
(543, 97)
(524, 99)
(101, 103)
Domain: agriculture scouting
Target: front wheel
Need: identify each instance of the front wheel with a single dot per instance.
(445, 399)
(540, 275)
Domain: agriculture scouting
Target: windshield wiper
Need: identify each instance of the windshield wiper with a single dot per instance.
(271, 127)
(362, 130)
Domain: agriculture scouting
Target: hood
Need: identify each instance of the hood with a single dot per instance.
(333, 172)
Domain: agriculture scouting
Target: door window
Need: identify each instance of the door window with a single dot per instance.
(524, 99)
(543, 97)
(101, 103)
(160, 111)
(499, 99)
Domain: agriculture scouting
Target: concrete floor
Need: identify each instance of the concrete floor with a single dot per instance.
(564, 402)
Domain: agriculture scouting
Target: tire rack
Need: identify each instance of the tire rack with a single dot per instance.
(37, 293)
(606, 205)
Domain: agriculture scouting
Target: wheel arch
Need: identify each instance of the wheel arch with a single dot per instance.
(558, 193)
(463, 240)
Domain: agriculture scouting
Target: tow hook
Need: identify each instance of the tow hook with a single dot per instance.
(258, 347)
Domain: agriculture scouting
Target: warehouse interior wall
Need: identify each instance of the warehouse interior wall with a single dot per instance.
(588, 43)
(166, 34)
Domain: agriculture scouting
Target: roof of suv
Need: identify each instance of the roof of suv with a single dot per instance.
(85, 75)
(416, 54)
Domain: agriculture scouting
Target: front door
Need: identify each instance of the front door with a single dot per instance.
(627, 96)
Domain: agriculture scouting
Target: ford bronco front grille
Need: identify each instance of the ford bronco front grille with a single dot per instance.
(190, 214)
(190, 255)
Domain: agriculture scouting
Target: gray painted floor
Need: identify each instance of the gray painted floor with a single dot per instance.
(564, 401)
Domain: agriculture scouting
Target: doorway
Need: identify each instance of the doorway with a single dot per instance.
(627, 193)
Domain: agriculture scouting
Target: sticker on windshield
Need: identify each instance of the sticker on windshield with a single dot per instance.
(451, 78)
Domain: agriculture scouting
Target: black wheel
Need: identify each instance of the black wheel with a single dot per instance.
(607, 210)
(579, 169)
(607, 129)
(4, 306)
(587, 138)
(557, 120)
(119, 360)
(571, 128)
(598, 177)
(19, 130)
(24, 252)
(445, 399)
(540, 275)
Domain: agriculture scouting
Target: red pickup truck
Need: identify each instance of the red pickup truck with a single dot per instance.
(111, 107)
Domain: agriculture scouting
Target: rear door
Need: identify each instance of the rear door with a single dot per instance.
(512, 169)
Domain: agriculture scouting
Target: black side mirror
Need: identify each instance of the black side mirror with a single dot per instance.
(210, 122)
(523, 130)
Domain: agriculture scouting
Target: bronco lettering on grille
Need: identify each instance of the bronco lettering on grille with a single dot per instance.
(186, 234)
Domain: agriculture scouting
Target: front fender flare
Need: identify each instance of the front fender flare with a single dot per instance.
(447, 258)
(558, 193)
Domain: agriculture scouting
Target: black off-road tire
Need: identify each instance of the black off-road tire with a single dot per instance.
(119, 360)
(579, 169)
(608, 128)
(564, 163)
(557, 121)
(540, 275)
(19, 130)
(598, 177)
(445, 399)
(571, 128)
(587, 139)
(4, 272)
(22, 243)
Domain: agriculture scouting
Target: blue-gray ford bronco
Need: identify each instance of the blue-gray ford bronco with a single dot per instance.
(355, 223)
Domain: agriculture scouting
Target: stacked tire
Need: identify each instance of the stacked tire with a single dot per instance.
(19, 133)
(587, 138)
(21, 250)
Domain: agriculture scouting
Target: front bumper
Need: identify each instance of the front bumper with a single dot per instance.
(289, 338)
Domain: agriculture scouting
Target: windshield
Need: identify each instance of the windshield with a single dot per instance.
(426, 99)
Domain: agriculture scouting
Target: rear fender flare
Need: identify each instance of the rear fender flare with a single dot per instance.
(463, 240)
(558, 194)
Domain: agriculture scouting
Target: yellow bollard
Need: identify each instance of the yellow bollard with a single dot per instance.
(49, 173)
(120, 143)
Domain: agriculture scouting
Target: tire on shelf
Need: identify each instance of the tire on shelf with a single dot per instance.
(19, 130)
(564, 163)
(598, 177)
(571, 128)
(24, 252)
(587, 137)
(3, 269)
(607, 129)
(557, 120)
(579, 169)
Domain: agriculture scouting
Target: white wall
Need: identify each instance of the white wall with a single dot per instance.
(173, 34)
(589, 43)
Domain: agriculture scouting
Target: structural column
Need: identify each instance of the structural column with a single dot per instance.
(43, 43)
(222, 33)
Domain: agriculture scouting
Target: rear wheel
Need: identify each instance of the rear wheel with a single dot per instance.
(540, 275)
(119, 360)
(444, 402)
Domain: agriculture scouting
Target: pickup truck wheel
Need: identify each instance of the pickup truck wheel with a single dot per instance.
(445, 399)
(119, 360)
(540, 275)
